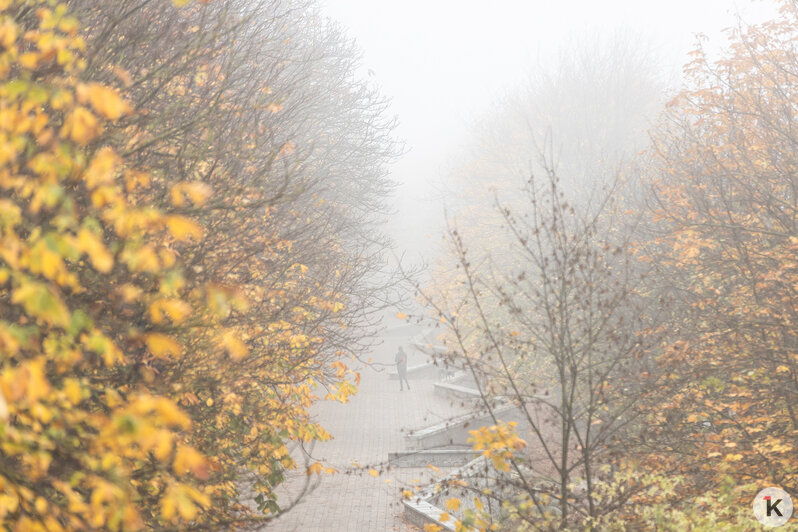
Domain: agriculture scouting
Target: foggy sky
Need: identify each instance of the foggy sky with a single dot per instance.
(445, 62)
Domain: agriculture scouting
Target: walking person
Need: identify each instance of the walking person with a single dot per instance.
(401, 368)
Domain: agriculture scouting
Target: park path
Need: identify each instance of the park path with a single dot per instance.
(365, 430)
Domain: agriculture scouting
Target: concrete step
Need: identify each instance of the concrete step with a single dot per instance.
(435, 457)
(456, 391)
(420, 513)
(422, 509)
(455, 431)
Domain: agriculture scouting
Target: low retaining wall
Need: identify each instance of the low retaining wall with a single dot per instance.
(456, 391)
(420, 513)
(435, 457)
(455, 431)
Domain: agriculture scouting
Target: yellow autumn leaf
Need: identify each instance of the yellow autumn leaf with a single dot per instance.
(91, 245)
(143, 259)
(129, 292)
(81, 126)
(104, 495)
(41, 302)
(61, 99)
(374, 473)
(432, 527)
(176, 310)
(72, 390)
(30, 60)
(181, 500)
(167, 410)
(8, 33)
(233, 345)
(104, 195)
(168, 259)
(101, 169)
(46, 261)
(401, 316)
(196, 191)
(162, 346)
(183, 228)
(453, 504)
(189, 460)
(135, 179)
(168, 508)
(443, 517)
(104, 100)
(160, 443)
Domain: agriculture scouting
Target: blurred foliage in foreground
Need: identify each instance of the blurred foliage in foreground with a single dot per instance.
(175, 284)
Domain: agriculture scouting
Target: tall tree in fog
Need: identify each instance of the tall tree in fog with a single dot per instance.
(195, 213)
(582, 115)
(585, 111)
(581, 118)
(538, 287)
(552, 327)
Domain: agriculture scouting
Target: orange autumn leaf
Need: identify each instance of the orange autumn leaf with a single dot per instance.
(183, 228)
(163, 346)
(195, 191)
(175, 310)
(81, 126)
(104, 100)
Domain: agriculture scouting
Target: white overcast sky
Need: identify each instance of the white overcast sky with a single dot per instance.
(444, 62)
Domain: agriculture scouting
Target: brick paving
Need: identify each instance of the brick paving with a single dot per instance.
(365, 430)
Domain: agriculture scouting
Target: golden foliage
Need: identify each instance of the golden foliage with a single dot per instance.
(728, 246)
(132, 393)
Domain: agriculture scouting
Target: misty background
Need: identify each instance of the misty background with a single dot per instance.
(447, 65)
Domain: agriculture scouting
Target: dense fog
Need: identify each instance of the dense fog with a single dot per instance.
(346, 265)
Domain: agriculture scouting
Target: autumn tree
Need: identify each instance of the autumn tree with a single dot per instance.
(86, 443)
(167, 295)
(583, 116)
(568, 329)
(537, 289)
(256, 104)
(695, 364)
(723, 240)
(583, 112)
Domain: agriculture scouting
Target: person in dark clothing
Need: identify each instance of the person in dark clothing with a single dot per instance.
(401, 368)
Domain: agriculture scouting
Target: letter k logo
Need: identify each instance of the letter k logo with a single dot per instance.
(772, 506)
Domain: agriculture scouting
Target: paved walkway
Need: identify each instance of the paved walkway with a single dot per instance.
(365, 430)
